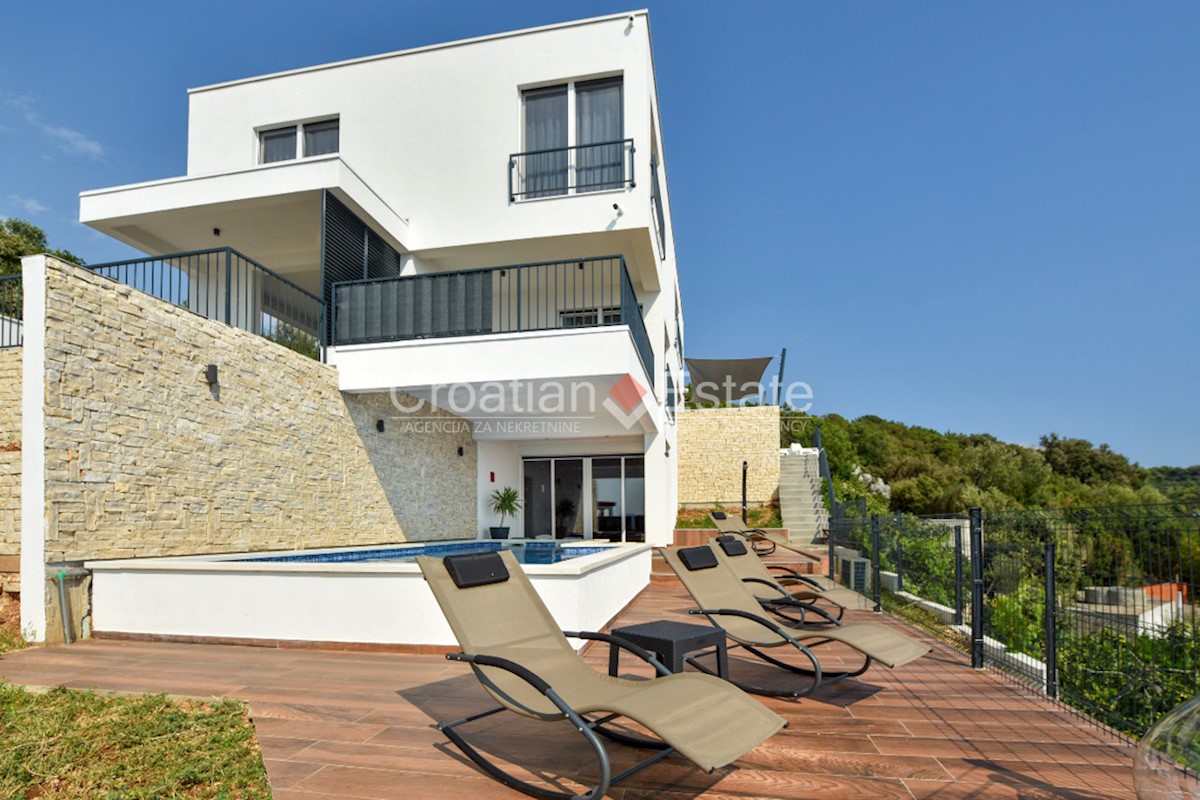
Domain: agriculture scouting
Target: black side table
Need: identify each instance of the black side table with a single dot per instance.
(671, 641)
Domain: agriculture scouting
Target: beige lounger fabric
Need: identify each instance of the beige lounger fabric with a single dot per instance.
(720, 588)
(751, 566)
(707, 720)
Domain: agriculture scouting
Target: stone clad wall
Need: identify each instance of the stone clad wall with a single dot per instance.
(10, 451)
(713, 443)
(143, 458)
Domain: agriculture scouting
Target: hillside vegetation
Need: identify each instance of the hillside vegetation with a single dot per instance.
(901, 468)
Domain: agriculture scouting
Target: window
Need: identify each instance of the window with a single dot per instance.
(283, 144)
(321, 138)
(574, 138)
(587, 318)
(278, 145)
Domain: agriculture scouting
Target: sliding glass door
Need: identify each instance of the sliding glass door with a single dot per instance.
(592, 497)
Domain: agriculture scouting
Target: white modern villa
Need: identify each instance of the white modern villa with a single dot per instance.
(483, 225)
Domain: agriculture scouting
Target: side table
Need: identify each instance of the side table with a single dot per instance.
(671, 641)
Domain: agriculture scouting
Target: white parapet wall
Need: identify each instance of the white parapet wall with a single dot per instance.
(219, 598)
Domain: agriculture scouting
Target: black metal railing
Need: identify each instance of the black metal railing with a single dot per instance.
(657, 201)
(1093, 606)
(12, 311)
(571, 170)
(227, 286)
(580, 293)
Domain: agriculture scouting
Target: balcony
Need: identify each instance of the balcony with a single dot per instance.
(558, 295)
(571, 170)
(11, 327)
(224, 285)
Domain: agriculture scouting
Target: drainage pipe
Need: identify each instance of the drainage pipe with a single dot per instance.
(64, 605)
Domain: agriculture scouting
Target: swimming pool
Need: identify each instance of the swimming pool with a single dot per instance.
(347, 597)
(534, 552)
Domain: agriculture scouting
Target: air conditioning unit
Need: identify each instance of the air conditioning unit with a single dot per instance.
(855, 573)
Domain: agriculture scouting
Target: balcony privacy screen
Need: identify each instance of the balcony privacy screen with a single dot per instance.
(350, 251)
(425, 306)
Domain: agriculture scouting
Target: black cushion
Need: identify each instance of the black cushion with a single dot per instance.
(476, 569)
(718, 515)
(695, 558)
(732, 546)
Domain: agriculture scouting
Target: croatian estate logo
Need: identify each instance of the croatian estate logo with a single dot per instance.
(624, 401)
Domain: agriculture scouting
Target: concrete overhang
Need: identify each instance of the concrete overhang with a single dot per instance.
(637, 244)
(518, 386)
(271, 212)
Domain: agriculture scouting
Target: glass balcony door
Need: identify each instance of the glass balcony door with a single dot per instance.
(554, 502)
(591, 497)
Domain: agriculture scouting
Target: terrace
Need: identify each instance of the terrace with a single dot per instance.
(361, 725)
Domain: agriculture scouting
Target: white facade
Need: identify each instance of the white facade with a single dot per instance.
(425, 159)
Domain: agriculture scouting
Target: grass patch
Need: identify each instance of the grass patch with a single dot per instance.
(10, 624)
(68, 744)
(765, 517)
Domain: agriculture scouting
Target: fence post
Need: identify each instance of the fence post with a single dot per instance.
(745, 469)
(976, 588)
(228, 286)
(899, 551)
(958, 576)
(875, 561)
(832, 527)
(1051, 625)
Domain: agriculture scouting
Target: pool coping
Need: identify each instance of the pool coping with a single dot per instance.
(235, 562)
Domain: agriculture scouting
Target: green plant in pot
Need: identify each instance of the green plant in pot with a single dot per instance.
(505, 502)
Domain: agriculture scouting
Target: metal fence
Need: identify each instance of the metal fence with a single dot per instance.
(12, 311)
(657, 201)
(571, 170)
(1093, 606)
(226, 286)
(915, 566)
(579, 293)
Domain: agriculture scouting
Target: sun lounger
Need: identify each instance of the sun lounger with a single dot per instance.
(526, 663)
(791, 591)
(729, 604)
(759, 542)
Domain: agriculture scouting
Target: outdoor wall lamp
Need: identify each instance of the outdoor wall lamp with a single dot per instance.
(210, 375)
(216, 231)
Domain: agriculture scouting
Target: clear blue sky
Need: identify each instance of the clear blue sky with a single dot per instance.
(972, 217)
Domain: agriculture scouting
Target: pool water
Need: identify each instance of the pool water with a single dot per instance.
(535, 552)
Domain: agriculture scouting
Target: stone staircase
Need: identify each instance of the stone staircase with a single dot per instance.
(800, 500)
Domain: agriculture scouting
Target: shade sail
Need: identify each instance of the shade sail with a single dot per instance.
(726, 379)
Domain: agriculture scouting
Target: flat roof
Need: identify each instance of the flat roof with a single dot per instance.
(412, 51)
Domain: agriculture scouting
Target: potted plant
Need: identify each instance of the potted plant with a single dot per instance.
(505, 502)
(565, 509)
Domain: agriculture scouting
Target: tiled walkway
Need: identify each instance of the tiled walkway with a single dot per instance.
(360, 725)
